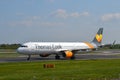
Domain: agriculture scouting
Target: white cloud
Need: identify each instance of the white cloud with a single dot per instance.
(110, 16)
(76, 14)
(61, 13)
(52, 24)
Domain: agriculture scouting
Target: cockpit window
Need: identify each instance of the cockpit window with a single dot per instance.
(23, 46)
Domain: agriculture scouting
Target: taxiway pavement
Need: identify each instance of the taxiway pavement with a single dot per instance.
(106, 54)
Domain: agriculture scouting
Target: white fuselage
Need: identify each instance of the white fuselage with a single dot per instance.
(53, 47)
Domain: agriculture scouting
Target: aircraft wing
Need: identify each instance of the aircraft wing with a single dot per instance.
(73, 50)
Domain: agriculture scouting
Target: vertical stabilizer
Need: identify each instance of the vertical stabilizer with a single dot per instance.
(98, 38)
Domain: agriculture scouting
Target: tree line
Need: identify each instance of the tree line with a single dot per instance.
(116, 46)
(9, 46)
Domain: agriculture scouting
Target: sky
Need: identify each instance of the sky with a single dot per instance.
(58, 20)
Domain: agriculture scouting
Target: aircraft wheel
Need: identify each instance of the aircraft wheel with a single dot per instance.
(73, 57)
(57, 57)
(29, 56)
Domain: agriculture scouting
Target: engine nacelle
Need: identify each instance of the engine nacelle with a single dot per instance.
(68, 54)
(44, 55)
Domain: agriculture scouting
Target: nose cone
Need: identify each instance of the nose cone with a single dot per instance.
(23, 50)
(20, 50)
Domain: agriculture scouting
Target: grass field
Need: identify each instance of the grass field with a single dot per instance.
(64, 70)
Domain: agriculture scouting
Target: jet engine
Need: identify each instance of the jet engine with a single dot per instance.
(68, 54)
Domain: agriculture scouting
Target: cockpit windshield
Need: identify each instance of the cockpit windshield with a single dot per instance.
(23, 46)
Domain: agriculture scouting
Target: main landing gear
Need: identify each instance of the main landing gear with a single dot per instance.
(29, 56)
(72, 58)
(57, 57)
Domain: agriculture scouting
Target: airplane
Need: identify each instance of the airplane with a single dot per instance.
(108, 45)
(66, 49)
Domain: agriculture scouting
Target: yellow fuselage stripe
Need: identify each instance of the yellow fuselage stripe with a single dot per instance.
(89, 45)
